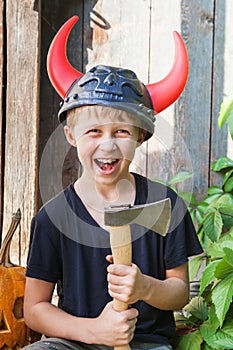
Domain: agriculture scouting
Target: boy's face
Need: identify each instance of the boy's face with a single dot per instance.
(106, 140)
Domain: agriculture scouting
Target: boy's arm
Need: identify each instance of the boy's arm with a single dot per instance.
(129, 284)
(110, 327)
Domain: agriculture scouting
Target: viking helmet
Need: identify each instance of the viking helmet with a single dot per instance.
(114, 87)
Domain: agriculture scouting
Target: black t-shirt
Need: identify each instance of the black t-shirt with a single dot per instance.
(68, 247)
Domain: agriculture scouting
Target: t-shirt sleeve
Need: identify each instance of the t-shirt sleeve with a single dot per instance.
(182, 241)
(44, 258)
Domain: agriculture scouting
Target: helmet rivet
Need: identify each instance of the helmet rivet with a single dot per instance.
(61, 103)
(67, 99)
(75, 96)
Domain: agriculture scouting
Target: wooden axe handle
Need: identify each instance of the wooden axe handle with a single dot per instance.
(121, 246)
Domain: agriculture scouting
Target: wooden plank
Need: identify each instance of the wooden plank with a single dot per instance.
(57, 169)
(1, 114)
(218, 145)
(189, 141)
(20, 185)
(228, 59)
(163, 22)
(113, 40)
(193, 115)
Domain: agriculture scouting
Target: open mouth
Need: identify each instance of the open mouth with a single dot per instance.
(107, 165)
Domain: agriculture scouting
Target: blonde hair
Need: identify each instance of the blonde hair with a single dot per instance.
(100, 111)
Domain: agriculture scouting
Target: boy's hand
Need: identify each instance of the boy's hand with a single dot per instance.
(125, 283)
(114, 328)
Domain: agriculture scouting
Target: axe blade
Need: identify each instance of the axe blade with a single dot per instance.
(154, 216)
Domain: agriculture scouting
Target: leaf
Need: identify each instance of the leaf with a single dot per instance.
(223, 269)
(190, 341)
(228, 236)
(215, 250)
(225, 110)
(211, 199)
(209, 327)
(227, 176)
(202, 207)
(230, 124)
(217, 338)
(213, 225)
(227, 221)
(222, 297)
(181, 176)
(208, 275)
(198, 308)
(224, 337)
(214, 190)
(228, 250)
(199, 217)
(222, 163)
(228, 186)
(225, 204)
(205, 346)
(194, 266)
(188, 197)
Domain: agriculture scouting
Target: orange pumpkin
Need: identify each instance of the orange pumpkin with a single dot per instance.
(13, 331)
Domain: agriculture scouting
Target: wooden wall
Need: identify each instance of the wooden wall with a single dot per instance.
(36, 161)
(1, 114)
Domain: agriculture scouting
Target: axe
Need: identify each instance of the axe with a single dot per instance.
(154, 216)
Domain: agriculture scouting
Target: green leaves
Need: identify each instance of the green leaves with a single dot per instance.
(208, 318)
(181, 176)
(226, 114)
(213, 225)
(220, 271)
(190, 341)
(194, 266)
(222, 163)
(197, 308)
(211, 316)
(222, 297)
(220, 338)
(208, 275)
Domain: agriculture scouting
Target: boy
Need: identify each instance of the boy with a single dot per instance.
(108, 114)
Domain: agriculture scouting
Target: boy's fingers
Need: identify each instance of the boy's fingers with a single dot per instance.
(118, 269)
(109, 258)
(132, 313)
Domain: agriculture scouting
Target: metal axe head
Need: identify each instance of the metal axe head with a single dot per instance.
(154, 216)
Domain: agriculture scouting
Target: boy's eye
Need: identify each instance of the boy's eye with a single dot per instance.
(123, 131)
(93, 131)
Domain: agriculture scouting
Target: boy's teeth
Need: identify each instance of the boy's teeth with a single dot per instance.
(106, 161)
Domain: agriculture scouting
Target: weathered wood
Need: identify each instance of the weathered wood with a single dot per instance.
(57, 168)
(165, 18)
(193, 113)
(218, 148)
(1, 114)
(21, 143)
(228, 59)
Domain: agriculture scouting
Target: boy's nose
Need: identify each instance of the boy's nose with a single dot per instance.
(108, 144)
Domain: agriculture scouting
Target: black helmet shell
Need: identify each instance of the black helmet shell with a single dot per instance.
(113, 87)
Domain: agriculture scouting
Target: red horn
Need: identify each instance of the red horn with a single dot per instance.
(60, 71)
(167, 90)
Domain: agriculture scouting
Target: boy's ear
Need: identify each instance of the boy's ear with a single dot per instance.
(142, 135)
(69, 136)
